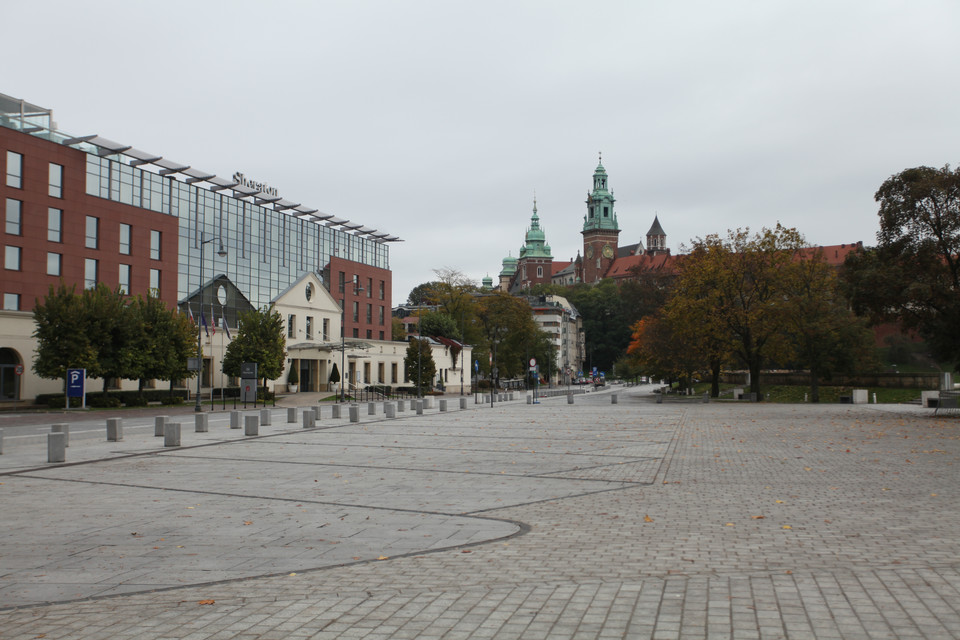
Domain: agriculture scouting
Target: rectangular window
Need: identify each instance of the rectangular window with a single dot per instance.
(93, 232)
(369, 334)
(382, 288)
(124, 279)
(369, 314)
(124, 239)
(356, 312)
(326, 329)
(54, 264)
(381, 335)
(54, 225)
(14, 170)
(356, 333)
(291, 326)
(381, 317)
(155, 281)
(89, 273)
(56, 181)
(154, 245)
(309, 327)
(11, 302)
(369, 287)
(11, 258)
(14, 207)
(393, 373)
(342, 282)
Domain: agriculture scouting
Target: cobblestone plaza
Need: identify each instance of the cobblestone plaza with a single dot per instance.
(550, 520)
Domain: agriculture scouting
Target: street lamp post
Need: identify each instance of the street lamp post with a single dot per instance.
(222, 253)
(357, 290)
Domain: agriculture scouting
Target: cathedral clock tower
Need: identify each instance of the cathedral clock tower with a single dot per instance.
(600, 229)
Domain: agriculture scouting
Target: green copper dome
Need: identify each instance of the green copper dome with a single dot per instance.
(509, 266)
(600, 213)
(536, 240)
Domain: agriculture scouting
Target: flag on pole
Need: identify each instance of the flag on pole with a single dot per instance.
(213, 320)
(203, 322)
(226, 329)
(190, 313)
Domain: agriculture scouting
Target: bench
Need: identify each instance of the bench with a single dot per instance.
(948, 401)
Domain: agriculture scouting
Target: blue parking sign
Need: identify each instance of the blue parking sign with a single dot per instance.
(75, 381)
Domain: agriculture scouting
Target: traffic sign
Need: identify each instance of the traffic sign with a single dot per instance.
(18, 369)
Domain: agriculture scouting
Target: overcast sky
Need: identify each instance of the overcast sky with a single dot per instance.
(437, 121)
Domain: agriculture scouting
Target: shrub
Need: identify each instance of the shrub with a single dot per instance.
(171, 400)
(135, 400)
(101, 401)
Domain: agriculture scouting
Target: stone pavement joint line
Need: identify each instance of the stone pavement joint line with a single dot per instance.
(592, 520)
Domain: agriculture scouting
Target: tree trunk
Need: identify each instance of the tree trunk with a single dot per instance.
(814, 385)
(715, 371)
(755, 378)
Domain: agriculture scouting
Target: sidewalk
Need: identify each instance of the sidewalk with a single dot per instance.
(518, 521)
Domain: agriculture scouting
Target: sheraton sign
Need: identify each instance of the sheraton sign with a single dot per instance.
(242, 180)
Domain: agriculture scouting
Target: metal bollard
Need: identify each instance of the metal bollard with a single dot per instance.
(613, 398)
(371, 408)
(390, 409)
(158, 424)
(171, 434)
(308, 419)
(335, 410)
(114, 429)
(265, 417)
(201, 423)
(56, 447)
(354, 413)
(291, 414)
(235, 419)
(65, 430)
(443, 405)
(569, 398)
(463, 403)
(251, 425)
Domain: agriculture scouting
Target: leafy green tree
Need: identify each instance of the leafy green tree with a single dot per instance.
(827, 337)
(438, 324)
(913, 275)
(397, 330)
(112, 328)
(423, 294)
(507, 322)
(606, 321)
(165, 339)
(260, 338)
(62, 340)
(418, 364)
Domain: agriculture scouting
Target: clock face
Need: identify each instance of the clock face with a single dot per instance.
(590, 251)
(607, 251)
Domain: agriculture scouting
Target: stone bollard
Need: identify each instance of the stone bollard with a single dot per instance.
(114, 429)
(463, 403)
(265, 417)
(65, 430)
(1, 442)
(291, 415)
(569, 398)
(613, 398)
(659, 398)
(57, 447)
(529, 399)
(443, 406)
(390, 409)
(201, 423)
(308, 419)
(371, 408)
(419, 407)
(335, 409)
(428, 403)
(235, 420)
(251, 425)
(354, 413)
(401, 405)
(158, 424)
(318, 413)
(171, 434)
